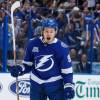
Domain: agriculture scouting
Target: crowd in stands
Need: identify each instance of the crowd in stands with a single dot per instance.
(78, 24)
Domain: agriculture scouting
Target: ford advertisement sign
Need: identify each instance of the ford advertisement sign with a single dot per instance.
(23, 85)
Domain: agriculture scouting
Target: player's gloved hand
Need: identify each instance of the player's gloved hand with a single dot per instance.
(16, 70)
(69, 90)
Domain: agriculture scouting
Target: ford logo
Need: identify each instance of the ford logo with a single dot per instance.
(1, 86)
(23, 85)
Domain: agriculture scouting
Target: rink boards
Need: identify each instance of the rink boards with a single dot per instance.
(87, 87)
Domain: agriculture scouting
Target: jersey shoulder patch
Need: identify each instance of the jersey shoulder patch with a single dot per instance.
(64, 45)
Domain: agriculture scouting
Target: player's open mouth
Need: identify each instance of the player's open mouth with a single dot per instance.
(48, 38)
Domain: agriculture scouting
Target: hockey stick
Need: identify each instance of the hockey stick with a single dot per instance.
(13, 7)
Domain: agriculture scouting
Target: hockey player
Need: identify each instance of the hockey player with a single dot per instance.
(48, 60)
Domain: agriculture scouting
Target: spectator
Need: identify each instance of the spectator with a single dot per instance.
(77, 19)
(91, 4)
(85, 4)
(97, 9)
(83, 66)
(23, 1)
(88, 24)
(73, 54)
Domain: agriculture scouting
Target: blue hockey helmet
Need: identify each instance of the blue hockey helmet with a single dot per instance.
(50, 22)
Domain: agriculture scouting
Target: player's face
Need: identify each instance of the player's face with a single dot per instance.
(49, 34)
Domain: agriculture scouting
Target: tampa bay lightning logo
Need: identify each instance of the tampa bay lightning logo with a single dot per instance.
(44, 63)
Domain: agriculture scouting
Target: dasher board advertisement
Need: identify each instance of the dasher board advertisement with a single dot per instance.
(87, 87)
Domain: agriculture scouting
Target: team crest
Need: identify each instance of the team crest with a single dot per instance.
(44, 63)
(35, 49)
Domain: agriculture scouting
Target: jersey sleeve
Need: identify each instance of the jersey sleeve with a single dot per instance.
(66, 65)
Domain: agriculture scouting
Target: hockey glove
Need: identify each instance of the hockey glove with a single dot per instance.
(69, 90)
(16, 70)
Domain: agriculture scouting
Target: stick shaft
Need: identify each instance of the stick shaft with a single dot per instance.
(14, 6)
(17, 87)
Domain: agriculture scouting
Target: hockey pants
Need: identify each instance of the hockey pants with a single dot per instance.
(41, 92)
